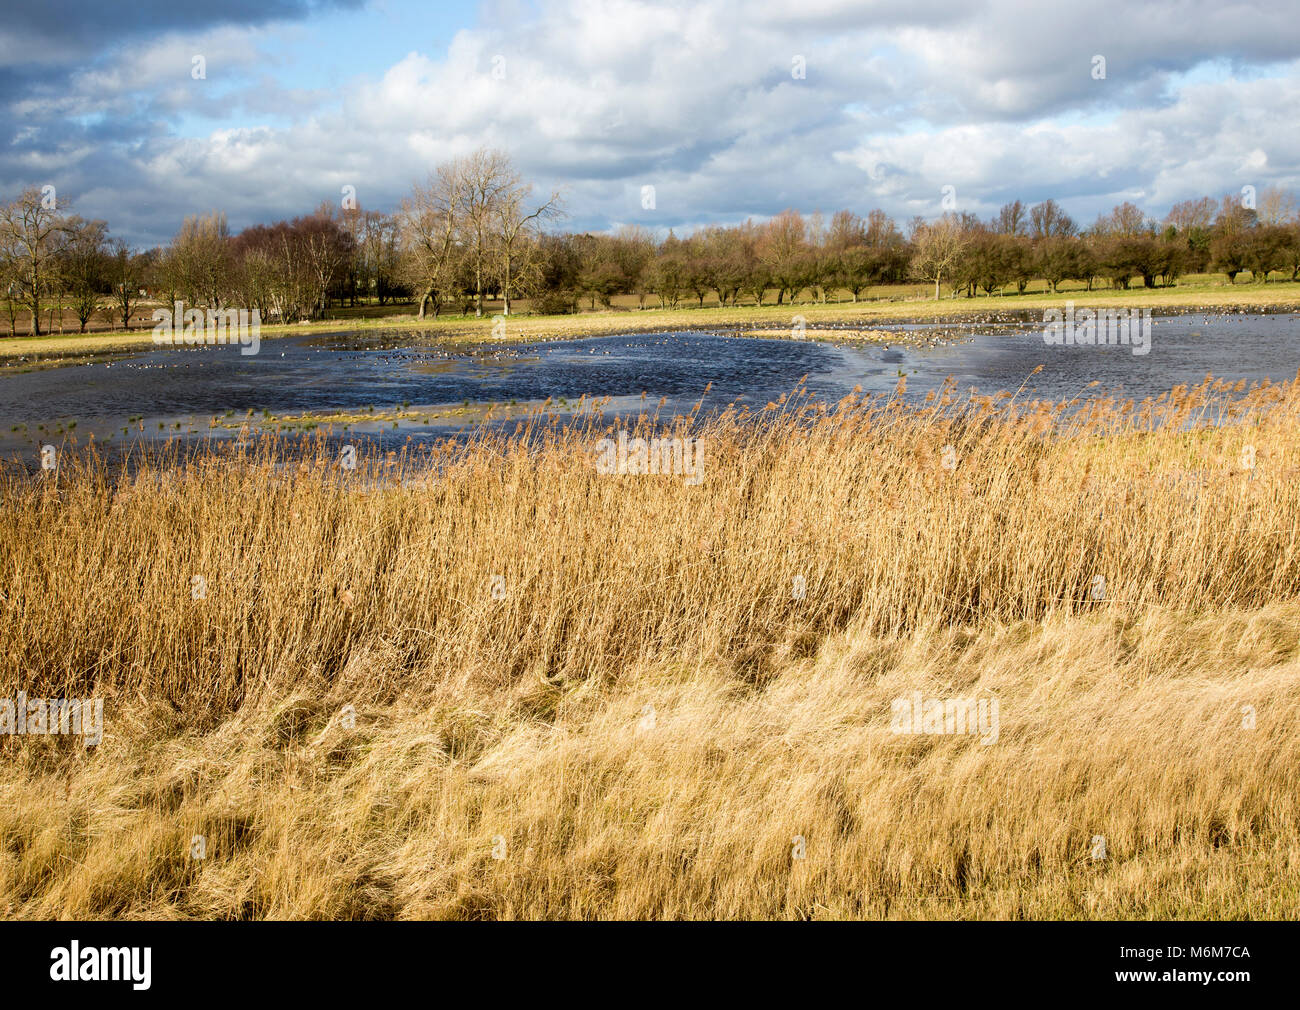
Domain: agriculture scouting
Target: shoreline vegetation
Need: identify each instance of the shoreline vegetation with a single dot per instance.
(450, 683)
(516, 670)
(872, 318)
(473, 238)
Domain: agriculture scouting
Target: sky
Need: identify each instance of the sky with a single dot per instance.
(146, 112)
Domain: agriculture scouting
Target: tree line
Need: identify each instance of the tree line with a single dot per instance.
(474, 231)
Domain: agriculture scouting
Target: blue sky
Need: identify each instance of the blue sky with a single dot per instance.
(332, 51)
(995, 98)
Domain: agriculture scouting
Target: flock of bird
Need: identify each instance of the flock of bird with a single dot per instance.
(406, 351)
(909, 334)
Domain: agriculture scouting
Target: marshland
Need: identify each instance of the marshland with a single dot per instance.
(478, 678)
(708, 561)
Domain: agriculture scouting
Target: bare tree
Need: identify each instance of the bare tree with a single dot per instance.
(84, 266)
(937, 248)
(514, 228)
(1276, 206)
(1234, 218)
(1012, 219)
(325, 247)
(428, 224)
(374, 261)
(1189, 215)
(200, 258)
(9, 282)
(784, 249)
(485, 177)
(1124, 221)
(30, 229)
(882, 233)
(1048, 220)
(126, 272)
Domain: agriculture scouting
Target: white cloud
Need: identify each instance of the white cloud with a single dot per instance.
(900, 98)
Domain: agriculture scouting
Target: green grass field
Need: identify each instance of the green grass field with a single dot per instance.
(897, 303)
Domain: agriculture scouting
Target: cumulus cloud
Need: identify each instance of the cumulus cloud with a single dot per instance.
(896, 100)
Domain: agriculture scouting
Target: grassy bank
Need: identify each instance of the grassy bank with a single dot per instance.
(489, 681)
(884, 306)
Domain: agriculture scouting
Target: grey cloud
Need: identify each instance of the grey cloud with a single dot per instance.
(63, 25)
(899, 99)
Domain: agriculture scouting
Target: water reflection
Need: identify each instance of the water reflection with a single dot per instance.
(181, 389)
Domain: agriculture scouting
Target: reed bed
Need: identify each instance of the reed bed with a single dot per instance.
(484, 679)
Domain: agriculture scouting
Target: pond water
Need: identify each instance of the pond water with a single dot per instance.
(181, 388)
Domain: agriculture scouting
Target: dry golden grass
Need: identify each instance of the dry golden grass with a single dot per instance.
(646, 721)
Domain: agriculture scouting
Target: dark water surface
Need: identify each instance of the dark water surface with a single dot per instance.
(354, 371)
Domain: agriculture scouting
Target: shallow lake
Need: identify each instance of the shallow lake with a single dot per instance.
(181, 388)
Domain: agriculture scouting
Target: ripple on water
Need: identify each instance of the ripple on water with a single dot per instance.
(345, 372)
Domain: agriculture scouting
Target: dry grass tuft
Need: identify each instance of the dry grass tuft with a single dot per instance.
(647, 717)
